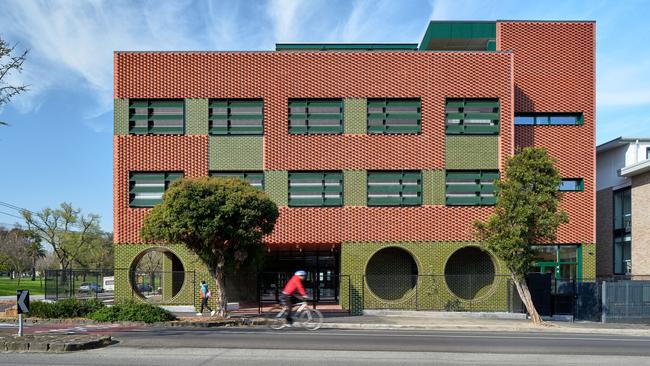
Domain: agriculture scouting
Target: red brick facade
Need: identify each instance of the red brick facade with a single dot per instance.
(550, 68)
(555, 72)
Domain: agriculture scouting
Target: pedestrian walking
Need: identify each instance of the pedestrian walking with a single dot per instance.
(205, 294)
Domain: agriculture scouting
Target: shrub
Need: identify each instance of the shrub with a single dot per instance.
(132, 311)
(67, 308)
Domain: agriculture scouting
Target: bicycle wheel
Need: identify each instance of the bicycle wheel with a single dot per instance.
(276, 317)
(310, 319)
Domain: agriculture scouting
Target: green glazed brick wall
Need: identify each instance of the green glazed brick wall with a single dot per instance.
(355, 187)
(125, 255)
(432, 291)
(167, 278)
(472, 152)
(589, 260)
(276, 185)
(355, 116)
(433, 182)
(236, 153)
(121, 116)
(196, 116)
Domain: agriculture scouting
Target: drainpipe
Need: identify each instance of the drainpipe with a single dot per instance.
(636, 151)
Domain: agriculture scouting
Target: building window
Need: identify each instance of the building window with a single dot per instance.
(622, 231)
(315, 189)
(553, 119)
(572, 185)
(472, 116)
(315, 116)
(563, 262)
(395, 188)
(156, 117)
(255, 179)
(470, 187)
(146, 189)
(386, 116)
(236, 117)
(647, 153)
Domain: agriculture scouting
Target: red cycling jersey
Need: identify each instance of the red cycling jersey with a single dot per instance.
(295, 283)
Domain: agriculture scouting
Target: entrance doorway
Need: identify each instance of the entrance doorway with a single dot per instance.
(322, 265)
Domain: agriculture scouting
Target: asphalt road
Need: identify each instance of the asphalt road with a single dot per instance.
(169, 346)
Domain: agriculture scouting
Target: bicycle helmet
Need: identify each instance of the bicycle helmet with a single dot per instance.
(300, 273)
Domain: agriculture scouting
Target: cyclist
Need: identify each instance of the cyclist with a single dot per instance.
(288, 297)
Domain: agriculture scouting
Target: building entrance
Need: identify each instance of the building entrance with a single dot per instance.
(322, 265)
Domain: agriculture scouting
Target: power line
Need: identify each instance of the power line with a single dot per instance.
(14, 207)
(12, 215)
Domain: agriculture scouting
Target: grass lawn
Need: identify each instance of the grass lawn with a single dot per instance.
(9, 286)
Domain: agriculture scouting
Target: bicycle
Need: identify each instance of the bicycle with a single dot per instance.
(310, 319)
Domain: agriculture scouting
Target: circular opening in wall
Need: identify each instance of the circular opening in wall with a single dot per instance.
(391, 273)
(469, 272)
(157, 275)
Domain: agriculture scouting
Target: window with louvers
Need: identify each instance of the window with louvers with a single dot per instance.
(146, 189)
(395, 188)
(236, 117)
(255, 179)
(386, 116)
(315, 116)
(470, 187)
(156, 117)
(315, 189)
(472, 117)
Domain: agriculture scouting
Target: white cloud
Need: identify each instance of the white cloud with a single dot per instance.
(72, 44)
(283, 14)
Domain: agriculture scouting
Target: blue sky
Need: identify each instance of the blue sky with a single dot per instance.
(59, 144)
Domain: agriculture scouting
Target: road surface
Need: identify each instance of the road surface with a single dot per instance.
(232, 346)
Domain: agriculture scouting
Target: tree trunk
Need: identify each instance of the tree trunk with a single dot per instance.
(220, 290)
(34, 269)
(524, 294)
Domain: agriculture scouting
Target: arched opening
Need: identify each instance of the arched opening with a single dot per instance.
(157, 275)
(469, 272)
(391, 273)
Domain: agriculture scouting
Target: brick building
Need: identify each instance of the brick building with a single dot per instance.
(380, 156)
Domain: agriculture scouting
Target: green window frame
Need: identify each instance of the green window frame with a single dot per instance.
(572, 185)
(549, 119)
(315, 116)
(255, 179)
(563, 262)
(470, 187)
(146, 188)
(464, 116)
(395, 188)
(394, 116)
(156, 116)
(236, 117)
(622, 250)
(316, 189)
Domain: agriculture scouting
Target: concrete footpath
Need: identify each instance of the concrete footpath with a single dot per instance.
(471, 322)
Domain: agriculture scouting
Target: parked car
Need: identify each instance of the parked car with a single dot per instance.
(109, 283)
(144, 287)
(90, 287)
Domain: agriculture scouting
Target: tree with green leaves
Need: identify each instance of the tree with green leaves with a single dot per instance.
(10, 62)
(65, 229)
(221, 220)
(526, 213)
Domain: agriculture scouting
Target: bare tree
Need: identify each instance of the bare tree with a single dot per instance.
(14, 251)
(65, 229)
(9, 62)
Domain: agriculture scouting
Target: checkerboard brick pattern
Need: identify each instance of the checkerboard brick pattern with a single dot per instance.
(471, 152)
(433, 187)
(236, 152)
(355, 187)
(121, 116)
(355, 116)
(196, 116)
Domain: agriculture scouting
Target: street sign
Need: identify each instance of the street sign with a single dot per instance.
(22, 301)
